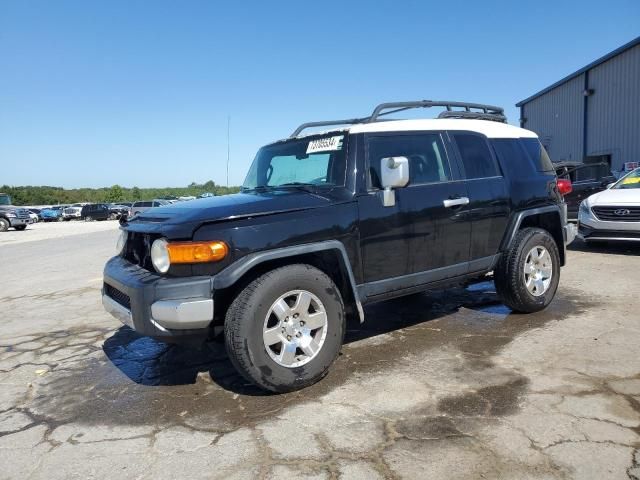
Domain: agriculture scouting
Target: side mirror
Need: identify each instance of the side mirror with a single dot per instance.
(395, 174)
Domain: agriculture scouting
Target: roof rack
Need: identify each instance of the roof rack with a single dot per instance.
(476, 111)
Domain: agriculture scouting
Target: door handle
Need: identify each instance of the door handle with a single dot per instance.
(454, 202)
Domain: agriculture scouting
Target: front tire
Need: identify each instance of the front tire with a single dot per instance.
(286, 328)
(4, 225)
(20, 227)
(528, 274)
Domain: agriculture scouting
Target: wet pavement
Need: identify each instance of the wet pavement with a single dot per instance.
(448, 384)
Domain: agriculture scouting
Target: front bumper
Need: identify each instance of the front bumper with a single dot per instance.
(592, 228)
(17, 221)
(154, 305)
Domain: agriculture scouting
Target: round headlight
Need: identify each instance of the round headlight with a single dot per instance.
(122, 239)
(160, 255)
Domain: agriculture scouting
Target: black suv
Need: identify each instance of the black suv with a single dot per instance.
(95, 211)
(326, 223)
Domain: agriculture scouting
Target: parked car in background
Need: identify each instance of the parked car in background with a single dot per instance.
(118, 210)
(74, 212)
(139, 207)
(186, 198)
(12, 216)
(52, 214)
(206, 195)
(613, 214)
(34, 213)
(95, 211)
(586, 179)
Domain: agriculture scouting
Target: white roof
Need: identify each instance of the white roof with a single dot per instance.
(486, 127)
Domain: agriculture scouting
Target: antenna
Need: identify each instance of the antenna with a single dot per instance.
(228, 146)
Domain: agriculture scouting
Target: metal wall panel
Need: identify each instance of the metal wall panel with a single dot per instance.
(557, 117)
(613, 112)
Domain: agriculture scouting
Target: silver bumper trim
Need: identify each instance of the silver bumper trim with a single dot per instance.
(571, 231)
(118, 311)
(183, 313)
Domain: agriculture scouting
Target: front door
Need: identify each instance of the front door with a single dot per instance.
(425, 234)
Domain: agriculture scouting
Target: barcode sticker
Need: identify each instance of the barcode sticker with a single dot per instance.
(327, 144)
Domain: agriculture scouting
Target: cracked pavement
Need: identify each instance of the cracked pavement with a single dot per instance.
(440, 385)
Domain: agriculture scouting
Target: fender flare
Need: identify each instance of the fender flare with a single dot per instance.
(237, 269)
(516, 221)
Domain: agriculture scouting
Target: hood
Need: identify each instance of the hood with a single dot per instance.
(192, 213)
(8, 208)
(616, 197)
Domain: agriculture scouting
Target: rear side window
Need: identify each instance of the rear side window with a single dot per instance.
(476, 156)
(538, 154)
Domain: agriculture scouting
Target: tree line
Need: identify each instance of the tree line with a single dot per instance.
(45, 195)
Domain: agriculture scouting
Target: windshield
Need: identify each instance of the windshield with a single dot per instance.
(5, 199)
(631, 180)
(318, 160)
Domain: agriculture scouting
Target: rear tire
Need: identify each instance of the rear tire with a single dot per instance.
(286, 328)
(88, 218)
(4, 225)
(528, 274)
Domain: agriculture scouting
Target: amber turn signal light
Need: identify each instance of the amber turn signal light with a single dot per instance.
(196, 252)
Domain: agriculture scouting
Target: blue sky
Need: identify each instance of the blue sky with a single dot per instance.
(138, 93)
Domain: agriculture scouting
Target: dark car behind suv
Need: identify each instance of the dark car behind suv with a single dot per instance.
(328, 222)
(586, 179)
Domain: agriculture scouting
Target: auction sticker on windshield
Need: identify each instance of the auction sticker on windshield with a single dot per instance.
(327, 144)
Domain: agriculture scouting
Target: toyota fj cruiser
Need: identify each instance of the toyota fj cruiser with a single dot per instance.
(328, 222)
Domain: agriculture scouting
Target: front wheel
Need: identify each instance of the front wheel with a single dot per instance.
(20, 227)
(286, 328)
(4, 224)
(528, 274)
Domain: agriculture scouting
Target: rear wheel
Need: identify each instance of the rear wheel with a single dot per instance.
(527, 275)
(4, 224)
(88, 218)
(285, 329)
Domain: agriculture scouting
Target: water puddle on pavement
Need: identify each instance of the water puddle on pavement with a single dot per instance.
(126, 379)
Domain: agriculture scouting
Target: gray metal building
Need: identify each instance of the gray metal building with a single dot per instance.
(592, 115)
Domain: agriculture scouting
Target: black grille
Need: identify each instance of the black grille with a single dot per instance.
(137, 250)
(22, 213)
(617, 214)
(118, 296)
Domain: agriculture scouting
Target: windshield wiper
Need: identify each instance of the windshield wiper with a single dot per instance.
(307, 187)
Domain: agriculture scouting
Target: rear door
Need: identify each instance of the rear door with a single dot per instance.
(489, 201)
(422, 232)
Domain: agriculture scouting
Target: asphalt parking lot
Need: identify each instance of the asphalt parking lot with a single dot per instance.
(441, 385)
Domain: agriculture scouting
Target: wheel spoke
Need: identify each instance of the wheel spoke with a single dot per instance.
(281, 309)
(288, 354)
(539, 284)
(316, 320)
(302, 303)
(529, 268)
(311, 348)
(272, 336)
(546, 271)
(529, 284)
